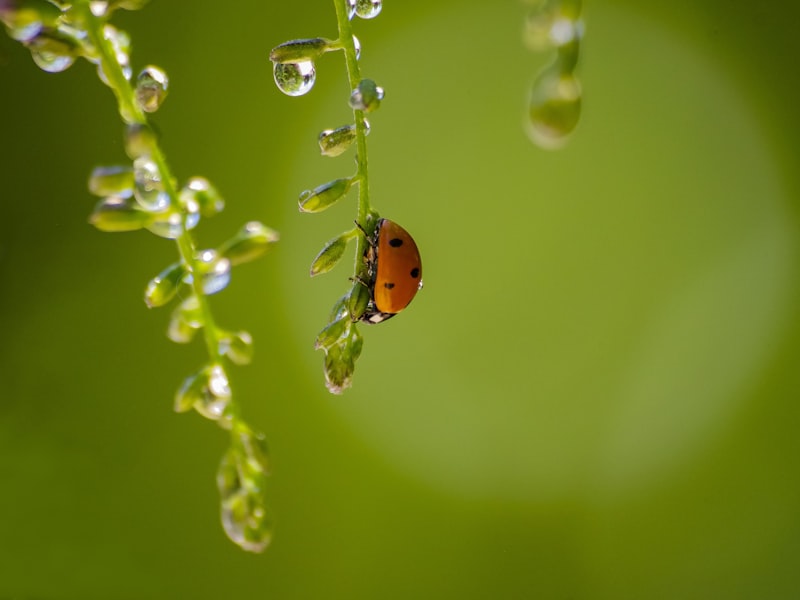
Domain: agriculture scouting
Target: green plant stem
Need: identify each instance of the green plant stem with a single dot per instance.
(128, 106)
(354, 76)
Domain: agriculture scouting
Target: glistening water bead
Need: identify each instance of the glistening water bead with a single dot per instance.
(151, 88)
(368, 9)
(148, 188)
(554, 108)
(295, 79)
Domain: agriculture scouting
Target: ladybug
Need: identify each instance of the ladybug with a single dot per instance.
(394, 269)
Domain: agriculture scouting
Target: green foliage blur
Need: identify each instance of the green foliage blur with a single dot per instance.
(594, 396)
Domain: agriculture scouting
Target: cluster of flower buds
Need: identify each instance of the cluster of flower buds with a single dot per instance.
(143, 195)
(295, 73)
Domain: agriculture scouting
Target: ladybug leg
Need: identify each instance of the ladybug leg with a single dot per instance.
(362, 230)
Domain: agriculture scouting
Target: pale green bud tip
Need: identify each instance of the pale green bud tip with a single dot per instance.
(119, 213)
(330, 254)
(238, 347)
(340, 359)
(185, 320)
(324, 196)
(299, 50)
(162, 288)
(151, 88)
(140, 140)
(252, 241)
(332, 333)
(107, 181)
(367, 96)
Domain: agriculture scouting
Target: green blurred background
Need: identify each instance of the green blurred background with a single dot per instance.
(594, 396)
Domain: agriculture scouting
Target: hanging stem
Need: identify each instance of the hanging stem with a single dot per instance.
(354, 77)
(128, 106)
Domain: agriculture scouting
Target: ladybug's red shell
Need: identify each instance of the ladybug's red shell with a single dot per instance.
(395, 270)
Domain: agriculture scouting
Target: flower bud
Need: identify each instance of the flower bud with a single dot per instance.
(252, 241)
(324, 196)
(119, 213)
(295, 51)
(163, 287)
(330, 254)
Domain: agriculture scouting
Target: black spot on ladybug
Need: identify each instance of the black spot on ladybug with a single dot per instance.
(395, 242)
(388, 285)
(415, 272)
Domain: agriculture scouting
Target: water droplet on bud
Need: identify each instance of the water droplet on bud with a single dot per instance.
(54, 50)
(295, 79)
(148, 187)
(554, 108)
(151, 88)
(367, 96)
(368, 9)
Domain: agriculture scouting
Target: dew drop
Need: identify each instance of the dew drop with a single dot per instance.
(151, 88)
(351, 9)
(368, 9)
(357, 46)
(148, 188)
(295, 79)
(554, 108)
(54, 50)
(99, 8)
(366, 96)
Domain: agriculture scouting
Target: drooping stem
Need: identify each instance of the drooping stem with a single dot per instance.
(128, 106)
(354, 77)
